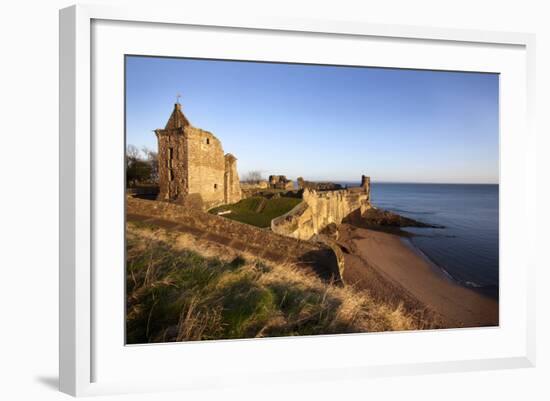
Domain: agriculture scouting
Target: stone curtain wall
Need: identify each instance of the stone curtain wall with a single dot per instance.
(321, 208)
(297, 223)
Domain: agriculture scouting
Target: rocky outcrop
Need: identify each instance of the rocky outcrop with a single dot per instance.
(380, 218)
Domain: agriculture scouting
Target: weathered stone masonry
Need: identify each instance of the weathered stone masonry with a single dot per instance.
(192, 166)
(280, 182)
(321, 208)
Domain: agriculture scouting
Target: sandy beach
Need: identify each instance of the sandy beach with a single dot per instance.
(392, 269)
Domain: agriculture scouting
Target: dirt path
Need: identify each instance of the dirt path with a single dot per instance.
(384, 264)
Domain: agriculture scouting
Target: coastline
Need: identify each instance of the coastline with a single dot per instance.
(490, 291)
(398, 272)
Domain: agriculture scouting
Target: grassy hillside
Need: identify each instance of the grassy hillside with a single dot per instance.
(257, 210)
(176, 293)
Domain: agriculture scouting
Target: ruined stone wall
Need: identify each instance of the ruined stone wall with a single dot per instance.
(249, 189)
(321, 186)
(365, 184)
(172, 156)
(280, 182)
(232, 185)
(321, 208)
(262, 184)
(206, 168)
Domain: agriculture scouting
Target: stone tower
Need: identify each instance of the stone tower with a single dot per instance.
(192, 166)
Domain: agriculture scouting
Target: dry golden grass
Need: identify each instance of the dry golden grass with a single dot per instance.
(181, 288)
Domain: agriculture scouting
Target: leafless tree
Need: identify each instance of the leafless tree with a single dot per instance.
(138, 170)
(152, 158)
(254, 176)
(132, 153)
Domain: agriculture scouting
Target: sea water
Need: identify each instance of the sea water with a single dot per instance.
(467, 248)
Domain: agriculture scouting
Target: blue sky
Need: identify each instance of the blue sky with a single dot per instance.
(326, 122)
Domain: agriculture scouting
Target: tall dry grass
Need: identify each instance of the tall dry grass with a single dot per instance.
(181, 289)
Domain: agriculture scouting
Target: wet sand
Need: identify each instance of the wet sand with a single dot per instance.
(391, 268)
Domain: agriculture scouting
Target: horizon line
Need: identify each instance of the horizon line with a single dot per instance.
(409, 182)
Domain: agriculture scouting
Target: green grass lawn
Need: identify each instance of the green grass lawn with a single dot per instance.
(258, 211)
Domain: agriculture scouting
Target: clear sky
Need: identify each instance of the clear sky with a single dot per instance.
(326, 122)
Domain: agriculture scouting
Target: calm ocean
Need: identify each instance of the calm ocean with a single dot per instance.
(467, 248)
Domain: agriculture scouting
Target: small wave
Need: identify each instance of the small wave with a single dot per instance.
(415, 231)
(489, 290)
(397, 210)
(465, 283)
(437, 266)
(433, 263)
(446, 273)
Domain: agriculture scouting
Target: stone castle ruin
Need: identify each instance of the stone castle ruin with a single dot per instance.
(193, 168)
(195, 175)
(194, 171)
(280, 182)
(320, 186)
(321, 208)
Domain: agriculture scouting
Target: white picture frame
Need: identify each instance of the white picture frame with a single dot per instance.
(80, 342)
